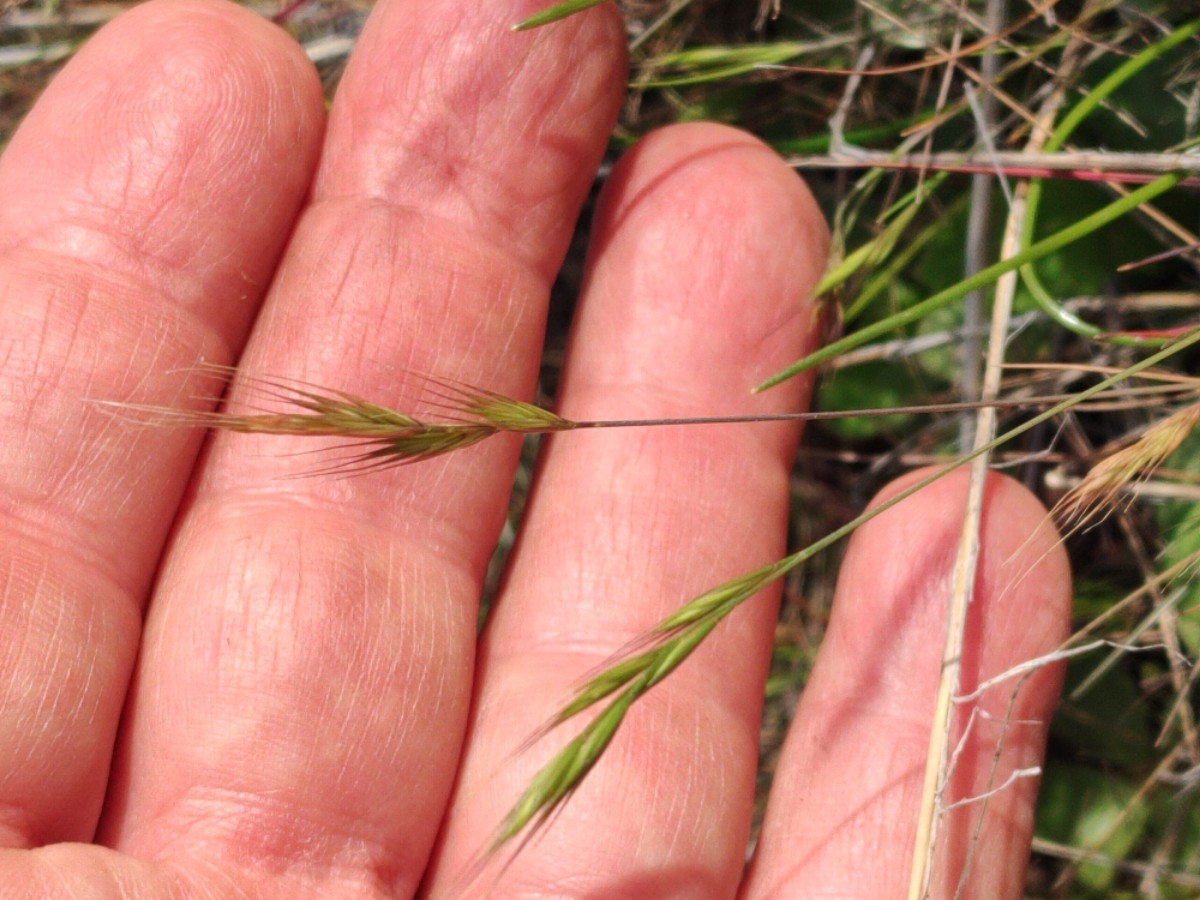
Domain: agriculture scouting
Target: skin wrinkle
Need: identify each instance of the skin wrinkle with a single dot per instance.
(97, 215)
(55, 682)
(435, 137)
(445, 347)
(362, 676)
(256, 829)
(260, 832)
(401, 226)
(169, 129)
(163, 182)
(609, 510)
(46, 689)
(101, 578)
(576, 87)
(650, 741)
(701, 780)
(608, 540)
(425, 644)
(116, 288)
(507, 303)
(857, 834)
(90, 680)
(85, 555)
(52, 378)
(438, 541)
(429, 167)
(375, 654)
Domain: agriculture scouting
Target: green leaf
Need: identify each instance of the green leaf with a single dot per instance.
(1095, 811)
(554, 13)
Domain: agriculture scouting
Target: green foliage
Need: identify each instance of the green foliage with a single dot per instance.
(888, 384)
(1082, 807)
(1107, 721)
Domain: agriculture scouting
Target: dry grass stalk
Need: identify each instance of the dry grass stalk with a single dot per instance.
(938, 761)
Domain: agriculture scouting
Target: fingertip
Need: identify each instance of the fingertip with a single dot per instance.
(706, 249)
(898, 568)
(1018, 535)
(851, 772)
(209, 67)
(736, 176)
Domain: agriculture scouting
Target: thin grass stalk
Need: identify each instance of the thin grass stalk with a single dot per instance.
(469, 416)
(980, 215)
(966, 564)
(676, 7)
(546, 792)
(887, 275)
(880, 247)
(1075, 165)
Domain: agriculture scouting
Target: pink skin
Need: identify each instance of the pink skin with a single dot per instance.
(309, 678)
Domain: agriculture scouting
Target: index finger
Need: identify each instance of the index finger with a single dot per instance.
(140, 221)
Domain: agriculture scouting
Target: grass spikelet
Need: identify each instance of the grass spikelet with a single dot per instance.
(387, 437)
(670, 642)
(513, 415)
(1100, 488)
(496, 410)
(556, 781)
(333, 414)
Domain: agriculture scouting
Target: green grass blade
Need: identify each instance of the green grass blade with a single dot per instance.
(1096, 96)
(1083, 227)
(554, 13)
(1115, 79)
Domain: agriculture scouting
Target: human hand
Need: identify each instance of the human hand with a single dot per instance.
(309, 713)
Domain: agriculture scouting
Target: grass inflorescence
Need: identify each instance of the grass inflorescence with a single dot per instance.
(385, 436)
(470, 415)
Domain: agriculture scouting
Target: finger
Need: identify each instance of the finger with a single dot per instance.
(842, 815)
(706, 248)
(140, 219)
(305, 680)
